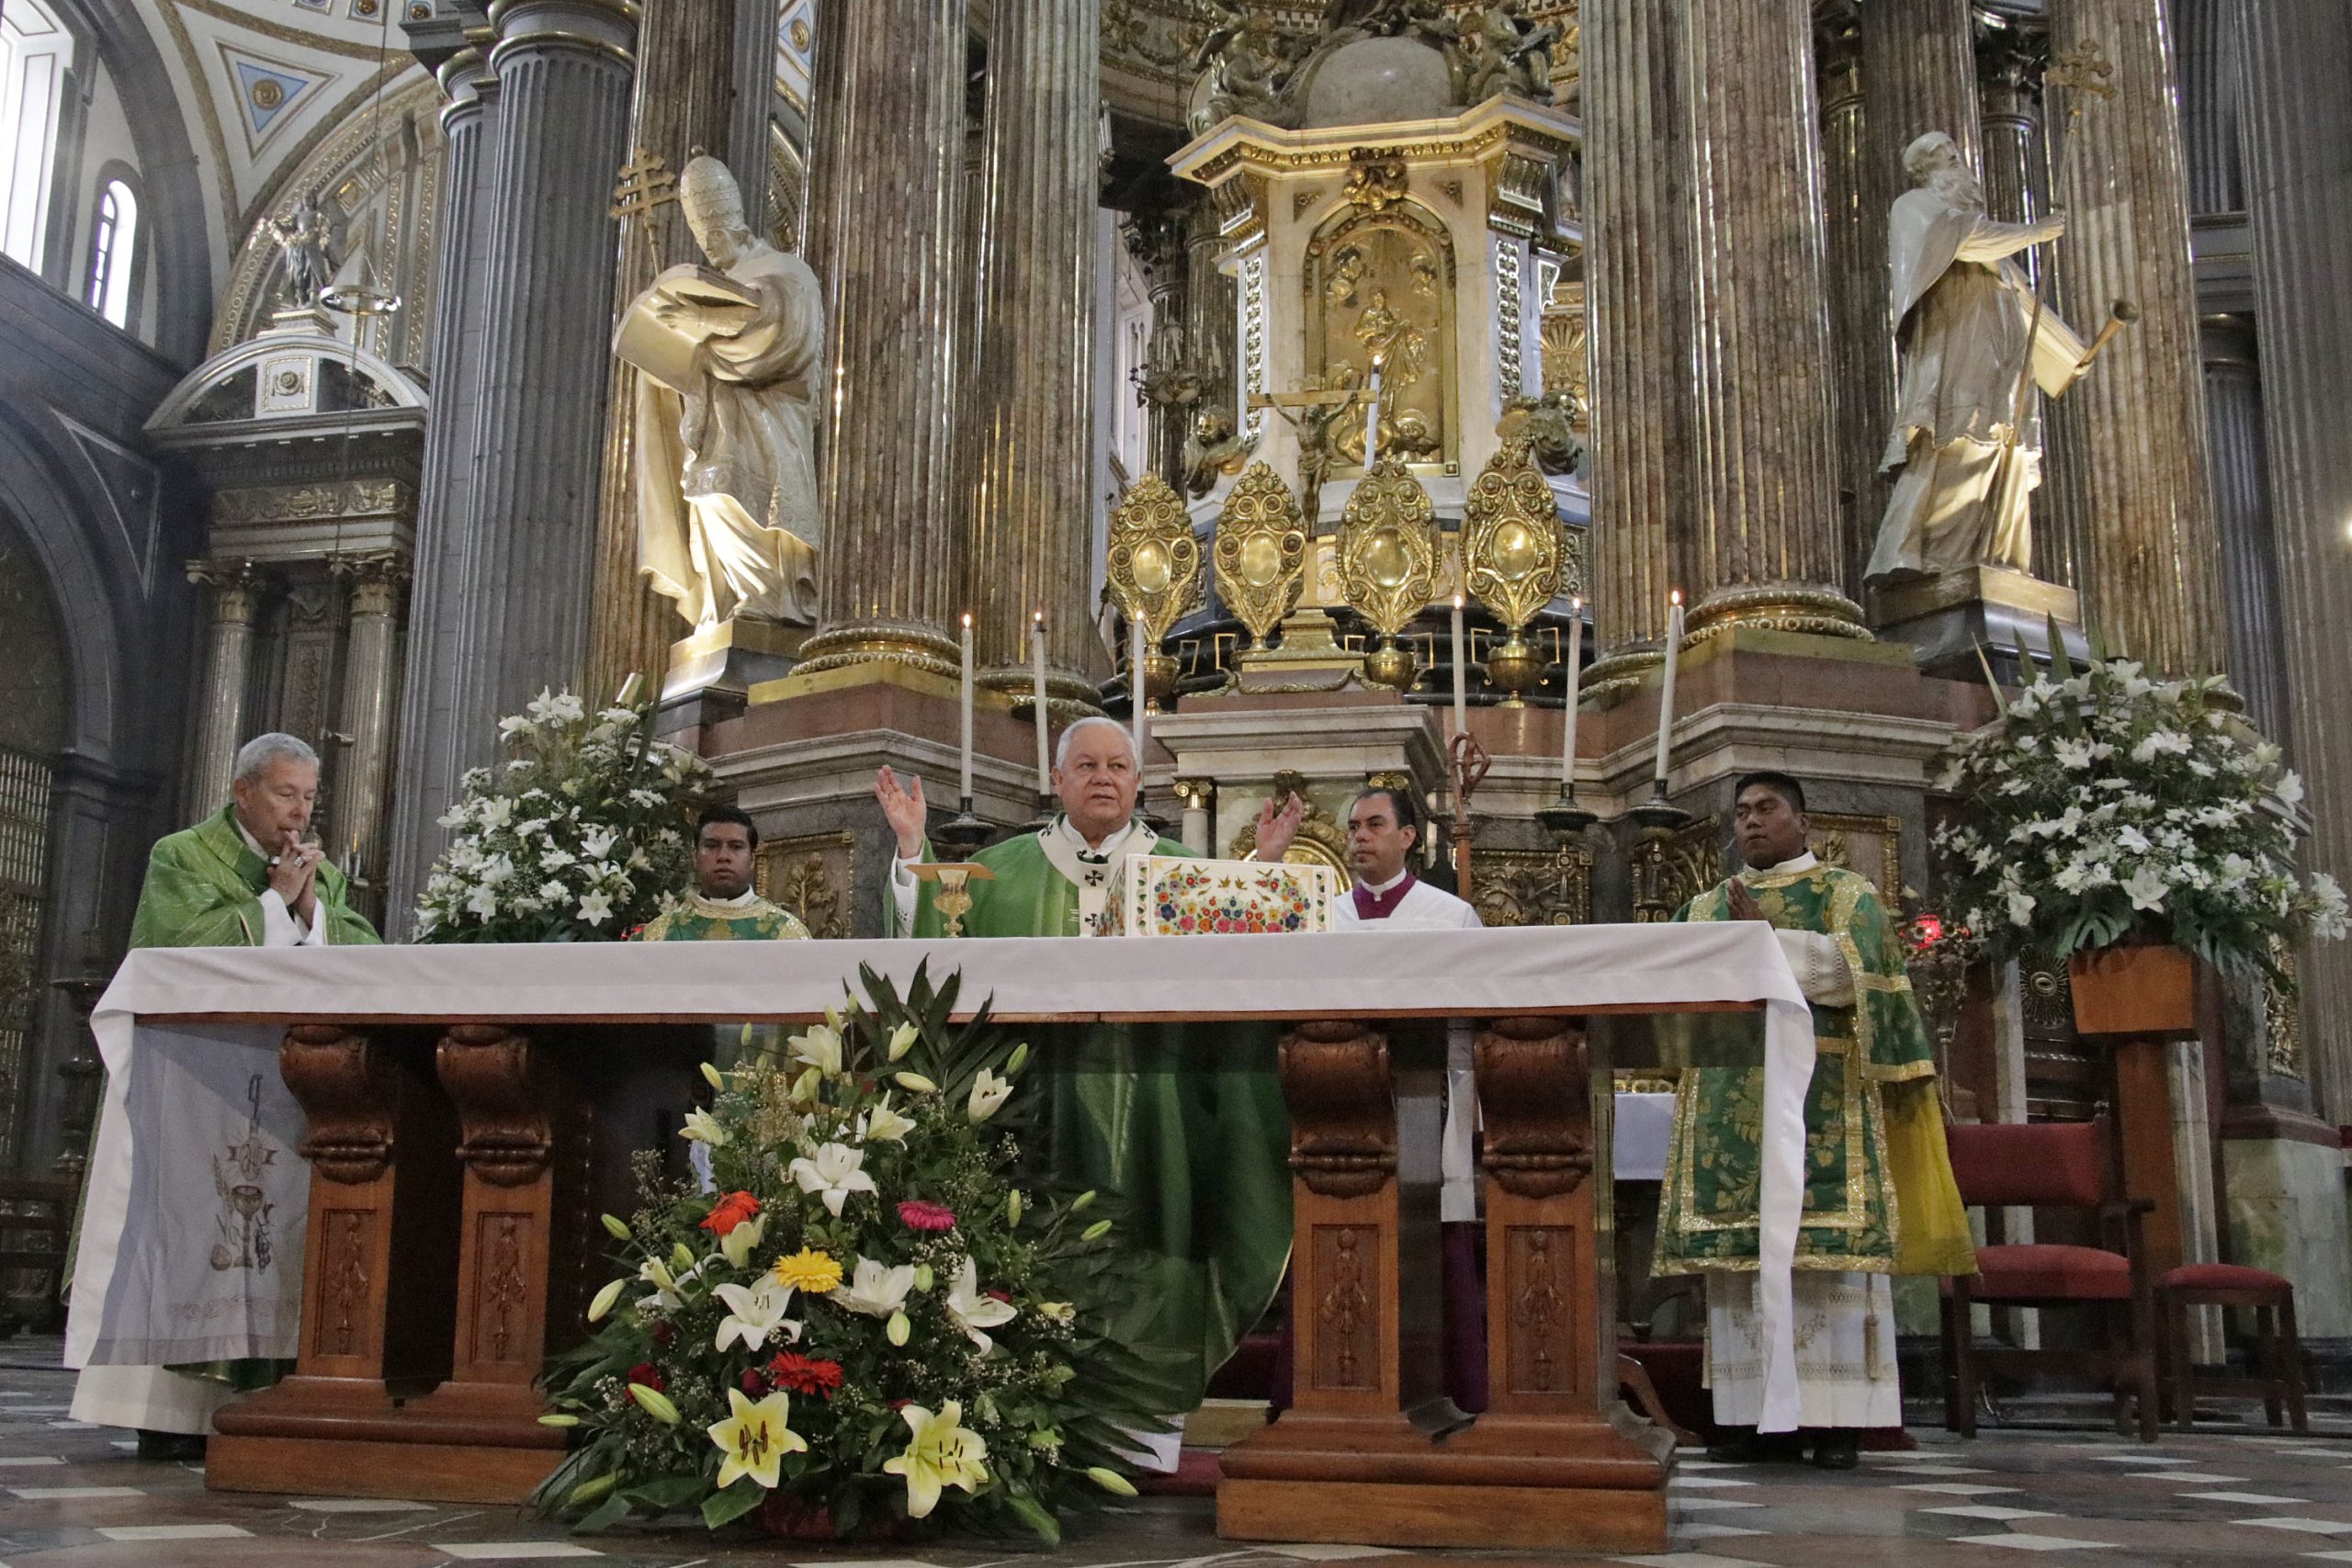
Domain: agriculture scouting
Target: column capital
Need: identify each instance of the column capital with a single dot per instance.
(603, 26)
(376, 579)
(235, 586)
(1196, 794)
(466, 81)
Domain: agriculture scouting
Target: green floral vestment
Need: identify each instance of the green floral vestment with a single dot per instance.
(1873, 1058)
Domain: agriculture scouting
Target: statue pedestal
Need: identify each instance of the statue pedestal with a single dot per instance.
(1310, 659)
(1947, 618)
(712, 673)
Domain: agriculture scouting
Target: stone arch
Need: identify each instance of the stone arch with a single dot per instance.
(38, 490)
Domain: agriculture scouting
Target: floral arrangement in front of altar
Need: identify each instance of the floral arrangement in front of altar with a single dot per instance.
(864, 1320)
(581, 835)
(2105, 807)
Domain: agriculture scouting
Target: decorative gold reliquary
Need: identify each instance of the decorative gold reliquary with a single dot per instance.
(1178, 896)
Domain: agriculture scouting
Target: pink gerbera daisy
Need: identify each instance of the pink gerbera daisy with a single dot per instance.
(917, 1215)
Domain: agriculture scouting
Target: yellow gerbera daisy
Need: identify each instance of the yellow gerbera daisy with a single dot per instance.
(809, 1271)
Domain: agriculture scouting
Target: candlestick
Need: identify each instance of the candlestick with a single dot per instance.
(1461, 673)
(1574, 662)
(1135, 683)
(1666, 697)
(1037, 687)
(966, 697)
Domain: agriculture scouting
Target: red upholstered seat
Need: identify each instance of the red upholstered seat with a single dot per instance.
(2222, 1276)
(2045, 1272)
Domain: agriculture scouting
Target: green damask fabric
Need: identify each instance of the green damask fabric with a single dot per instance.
(1185, 1123)
(204, 888)
(1852, 1219)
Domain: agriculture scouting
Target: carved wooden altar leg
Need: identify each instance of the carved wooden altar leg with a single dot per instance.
(1553, 1419)
(378, 1295)
(523, 1237)
(1544, 1467)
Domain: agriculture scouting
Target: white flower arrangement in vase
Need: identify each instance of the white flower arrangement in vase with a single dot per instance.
(581, 836)
(2104, 807)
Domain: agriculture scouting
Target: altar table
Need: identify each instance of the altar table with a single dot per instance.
(462, 1110)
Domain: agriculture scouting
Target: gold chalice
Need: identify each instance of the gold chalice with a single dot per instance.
(954, 900)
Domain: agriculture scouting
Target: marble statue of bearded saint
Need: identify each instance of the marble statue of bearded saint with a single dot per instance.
(1967, 432)
(726, 417)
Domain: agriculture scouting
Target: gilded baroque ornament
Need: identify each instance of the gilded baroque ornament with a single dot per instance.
(1154, 573)
(1511, 558)
(1260, 551)
(1388, 563)
(1534, 887)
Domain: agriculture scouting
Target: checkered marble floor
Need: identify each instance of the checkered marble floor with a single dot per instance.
(74, 1497)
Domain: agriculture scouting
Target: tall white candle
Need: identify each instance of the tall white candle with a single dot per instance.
(1665, 697)
(1461, 673)
(1037, 692)
(1134, 682)
(1371, 422)
(1574, 662)
(964, 697)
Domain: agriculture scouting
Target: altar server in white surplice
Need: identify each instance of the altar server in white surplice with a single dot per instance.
(1385, 829)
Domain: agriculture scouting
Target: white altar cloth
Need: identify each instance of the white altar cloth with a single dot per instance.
(160, 993)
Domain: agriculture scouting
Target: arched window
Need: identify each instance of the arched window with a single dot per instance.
(114, 240)
(35, 53)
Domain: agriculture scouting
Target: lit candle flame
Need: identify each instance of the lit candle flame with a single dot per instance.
(967, 620)
(1675, 597)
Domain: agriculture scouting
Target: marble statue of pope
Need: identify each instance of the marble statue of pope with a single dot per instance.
(1967, 433)
(726, 417)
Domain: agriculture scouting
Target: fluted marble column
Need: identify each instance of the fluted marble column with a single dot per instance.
(886, 230)
(2135, 427)
(1639, 311)
(563, 70)
(2209, 105)
(1212, 309)
(370, 688)
(1157, 242)
(1917, 70)
(1032, 503)
(684, 97)
(439, 622)
(228, 667)
(1856, 245)
(2297, 130)
(1762, 546)
(2009, 62)
(2233, 407)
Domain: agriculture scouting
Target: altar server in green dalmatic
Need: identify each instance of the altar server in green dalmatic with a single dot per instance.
(723, 908)
(1879, 1195)
(1185, 1123)
(242, 877)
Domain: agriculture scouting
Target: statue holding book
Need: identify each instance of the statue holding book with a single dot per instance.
(726, 417)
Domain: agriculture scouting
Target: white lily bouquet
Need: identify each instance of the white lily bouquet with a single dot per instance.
(865, 1322)
(2105, 807)
(580, 836)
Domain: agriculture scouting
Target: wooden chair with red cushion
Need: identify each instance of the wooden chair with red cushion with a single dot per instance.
(2277, 1354)
(2052, 1165)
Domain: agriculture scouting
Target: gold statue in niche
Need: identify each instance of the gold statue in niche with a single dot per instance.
(1380, 287)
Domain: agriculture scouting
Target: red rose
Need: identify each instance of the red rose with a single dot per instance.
(646, 1375)
(755, 1386)
(730, 1212)
(802, 1375)
(665, 1334)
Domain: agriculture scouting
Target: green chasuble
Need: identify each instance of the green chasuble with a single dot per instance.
(1183, 1122)
(1879, 1197)
(697, 918)
(204, 888)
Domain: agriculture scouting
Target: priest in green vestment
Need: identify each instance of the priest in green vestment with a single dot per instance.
(723, 908)
(1879, 1195)
(1185, 1123)
(242, 877)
